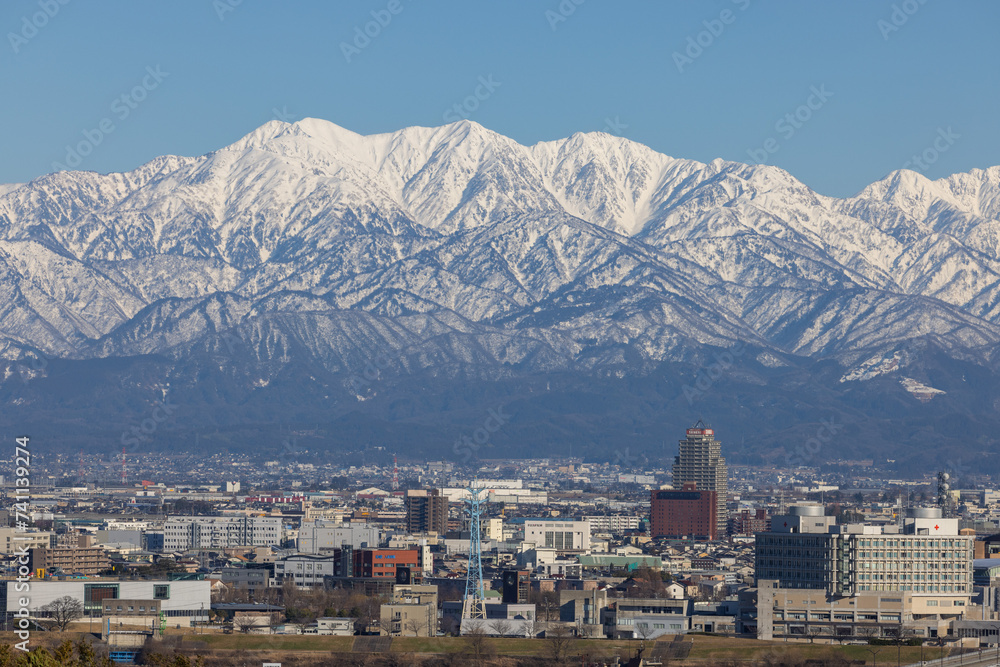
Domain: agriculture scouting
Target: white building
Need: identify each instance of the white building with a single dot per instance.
(818, 579)
(616, 523)
(217, 532)
(180, 601)
(558, 534)
(509, 491)
(317, 536)
(306, 570)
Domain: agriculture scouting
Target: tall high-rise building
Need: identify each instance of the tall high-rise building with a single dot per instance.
(426, 511)
(700, 460)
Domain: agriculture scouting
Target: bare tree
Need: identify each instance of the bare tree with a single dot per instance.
(62, 611)
(479, 645)
(450, 625)
(814, 631)
(245, 623)
(415, 625)
(644, 630)
(502, 627)
(560, 641)
(546, 602)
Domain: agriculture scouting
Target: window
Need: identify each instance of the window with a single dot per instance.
(161, 592)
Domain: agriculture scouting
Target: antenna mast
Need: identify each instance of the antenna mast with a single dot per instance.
(475, 595)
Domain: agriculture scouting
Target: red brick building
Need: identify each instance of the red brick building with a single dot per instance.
(688, 513)
(383, 562)
(749, 522)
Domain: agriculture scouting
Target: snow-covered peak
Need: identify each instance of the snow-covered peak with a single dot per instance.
(910, 191)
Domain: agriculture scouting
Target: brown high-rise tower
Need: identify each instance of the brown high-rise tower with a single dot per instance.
(700, 460)
(426, 511)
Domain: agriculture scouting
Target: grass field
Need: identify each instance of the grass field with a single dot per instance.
(706, 650)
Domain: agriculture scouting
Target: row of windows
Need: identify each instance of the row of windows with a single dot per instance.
(896, 565)
(911, 577)
(916, 588)
(142, 608)
(911, 543)
(921, 555)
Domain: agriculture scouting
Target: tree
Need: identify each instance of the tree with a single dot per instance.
(244, 623)
(502, 627)
(644, 629)
(479, 645)
(814, 631)
(560, 640)
(546, 602)
(367, 609)
(415, 625)
(300, 617)
(63, 611)
(649, 584)
(450, 626)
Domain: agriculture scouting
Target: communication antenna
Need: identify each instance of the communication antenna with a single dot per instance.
(475, 596)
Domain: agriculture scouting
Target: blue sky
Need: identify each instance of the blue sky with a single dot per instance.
(838, 93)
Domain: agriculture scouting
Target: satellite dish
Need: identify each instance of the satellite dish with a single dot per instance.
(945, 476)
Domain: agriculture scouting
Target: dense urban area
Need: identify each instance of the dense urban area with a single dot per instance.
(545, 560)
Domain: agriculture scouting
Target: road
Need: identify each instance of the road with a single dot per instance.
(986, 657)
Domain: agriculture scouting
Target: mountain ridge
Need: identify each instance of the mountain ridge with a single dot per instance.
(459, 253)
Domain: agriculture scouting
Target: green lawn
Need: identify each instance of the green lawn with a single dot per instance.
(706, 650)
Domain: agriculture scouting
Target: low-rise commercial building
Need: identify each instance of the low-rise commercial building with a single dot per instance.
(180, 601)
(86, 561)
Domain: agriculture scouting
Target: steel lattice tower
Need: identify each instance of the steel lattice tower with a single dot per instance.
(475, 596)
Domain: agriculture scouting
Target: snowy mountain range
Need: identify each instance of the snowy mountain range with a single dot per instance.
(455, 252)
